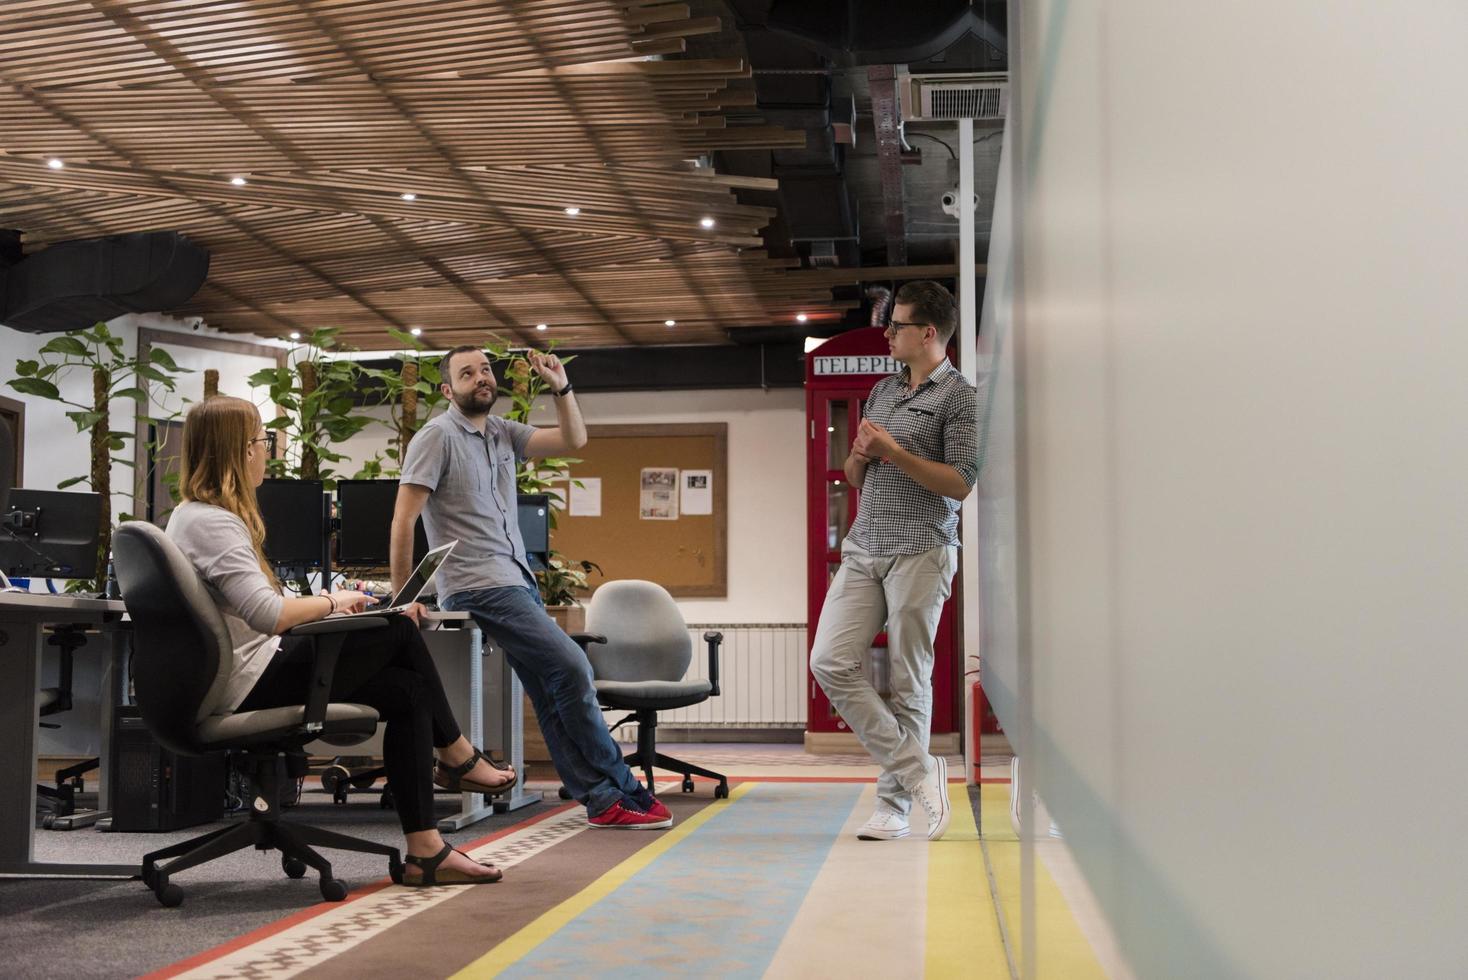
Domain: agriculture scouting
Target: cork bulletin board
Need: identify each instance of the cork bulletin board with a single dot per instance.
(685, 554)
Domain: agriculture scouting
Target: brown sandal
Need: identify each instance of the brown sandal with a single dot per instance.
(452, 778)
(433, 877)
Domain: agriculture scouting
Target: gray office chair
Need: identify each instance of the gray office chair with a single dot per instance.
(180, 664)
(639, 650)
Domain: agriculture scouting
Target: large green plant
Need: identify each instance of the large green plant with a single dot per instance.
(410, 393)
(565, 581)
(318, 398)
(115, 374)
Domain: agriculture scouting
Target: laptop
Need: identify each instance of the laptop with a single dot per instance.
(413, 588)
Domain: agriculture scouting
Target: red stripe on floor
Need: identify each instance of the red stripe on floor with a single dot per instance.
(265, 932)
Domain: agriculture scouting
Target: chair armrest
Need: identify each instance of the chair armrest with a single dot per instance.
(326, 637)
(338, 624)
(714, 640)
(583, 640)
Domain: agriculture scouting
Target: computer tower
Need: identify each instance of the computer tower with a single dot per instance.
(154, 789)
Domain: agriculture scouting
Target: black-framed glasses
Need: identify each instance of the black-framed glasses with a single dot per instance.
(896, 325)
(269, 440)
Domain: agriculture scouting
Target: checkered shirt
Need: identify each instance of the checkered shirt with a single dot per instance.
(938, 421)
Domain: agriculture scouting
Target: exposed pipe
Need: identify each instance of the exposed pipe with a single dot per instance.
(881, 298)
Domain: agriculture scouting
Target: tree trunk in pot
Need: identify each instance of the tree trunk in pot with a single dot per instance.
(102, 469)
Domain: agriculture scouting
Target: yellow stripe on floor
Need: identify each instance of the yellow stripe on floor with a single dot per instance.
(1063, 952)
(522, 942)
(963, 937)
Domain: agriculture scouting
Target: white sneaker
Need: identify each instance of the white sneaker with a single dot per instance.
(932, 795)
(885, 824)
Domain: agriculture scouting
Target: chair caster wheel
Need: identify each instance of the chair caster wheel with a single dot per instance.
(333, 889)
(335, 779)
(564, 793)
(48, 821)
(721, 791)
(293, 867)
(687, 784)
(169, 896)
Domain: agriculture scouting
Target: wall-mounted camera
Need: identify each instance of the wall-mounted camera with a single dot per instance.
(950, 203)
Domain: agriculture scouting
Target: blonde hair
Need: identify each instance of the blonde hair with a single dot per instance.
(215, 470)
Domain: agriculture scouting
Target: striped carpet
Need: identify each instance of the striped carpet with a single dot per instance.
(769, 883)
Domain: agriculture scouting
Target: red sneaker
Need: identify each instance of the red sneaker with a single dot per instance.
(621, 817)
(647, 803)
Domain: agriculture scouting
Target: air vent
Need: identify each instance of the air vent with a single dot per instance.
(979, 97)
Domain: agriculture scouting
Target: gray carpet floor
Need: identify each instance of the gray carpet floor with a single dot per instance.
(89, 928)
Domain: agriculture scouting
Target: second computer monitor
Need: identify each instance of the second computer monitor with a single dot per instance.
(364, 511)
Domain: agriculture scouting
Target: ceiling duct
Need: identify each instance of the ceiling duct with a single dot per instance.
(981, 97)
(72, 285)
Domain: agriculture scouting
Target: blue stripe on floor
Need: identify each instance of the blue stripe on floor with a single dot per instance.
(716, 904)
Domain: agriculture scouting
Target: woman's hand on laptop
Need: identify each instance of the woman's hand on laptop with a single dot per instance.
(415, 613)
(350, 601)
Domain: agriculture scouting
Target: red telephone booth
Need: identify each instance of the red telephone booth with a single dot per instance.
(839, 376)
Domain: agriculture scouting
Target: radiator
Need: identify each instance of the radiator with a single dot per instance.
(762, 678)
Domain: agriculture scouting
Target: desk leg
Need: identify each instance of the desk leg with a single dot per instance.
(20, 649)
(472, 806)
(511, 716)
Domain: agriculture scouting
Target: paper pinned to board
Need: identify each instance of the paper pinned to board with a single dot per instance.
(586, 499)
(697, 492)
(658, 500)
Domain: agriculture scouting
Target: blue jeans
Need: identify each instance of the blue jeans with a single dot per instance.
(557, 676)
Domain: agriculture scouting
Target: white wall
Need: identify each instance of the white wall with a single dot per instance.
(766, 488)
(1242, 453)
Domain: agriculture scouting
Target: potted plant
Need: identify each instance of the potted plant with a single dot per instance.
(98, 352)
(410, 393)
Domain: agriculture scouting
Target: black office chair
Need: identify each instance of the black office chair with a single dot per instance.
(181, 662)
(60, 800)
(639, 650)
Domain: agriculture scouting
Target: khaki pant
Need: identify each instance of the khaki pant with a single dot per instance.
(906, 592)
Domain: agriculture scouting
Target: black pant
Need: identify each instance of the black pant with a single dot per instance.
(388, 669)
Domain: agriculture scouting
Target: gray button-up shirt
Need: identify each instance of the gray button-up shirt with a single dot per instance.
(471, 476)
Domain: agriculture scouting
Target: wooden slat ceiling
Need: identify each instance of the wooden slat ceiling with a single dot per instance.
(497, 116)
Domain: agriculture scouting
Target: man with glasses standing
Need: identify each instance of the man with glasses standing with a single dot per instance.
(914, 459)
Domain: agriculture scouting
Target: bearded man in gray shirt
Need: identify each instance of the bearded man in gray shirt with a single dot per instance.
(459, 473)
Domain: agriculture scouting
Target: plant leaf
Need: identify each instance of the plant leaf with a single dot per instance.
(65, 344)
(36, 386)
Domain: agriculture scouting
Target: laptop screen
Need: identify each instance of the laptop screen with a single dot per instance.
(422, 575)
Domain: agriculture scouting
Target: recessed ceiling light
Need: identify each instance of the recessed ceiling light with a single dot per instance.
(295, 335)
(670, 323)
(238, 181)
(573, 212)
(830, 428)
(801, 318)
(837, 482)
(416, 331)
(409, 197)
(55, 164)
(706, 222)
(540, 326)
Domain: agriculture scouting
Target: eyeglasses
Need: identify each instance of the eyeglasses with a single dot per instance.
(897, 325)
(269, 440)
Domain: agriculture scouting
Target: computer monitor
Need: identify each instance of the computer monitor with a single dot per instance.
(294, 512)
(364, 524)
(534, 516)
(51, 534)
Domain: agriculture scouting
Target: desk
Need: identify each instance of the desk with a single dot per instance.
(22, 616)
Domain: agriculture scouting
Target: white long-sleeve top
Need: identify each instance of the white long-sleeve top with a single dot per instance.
(217, 543)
